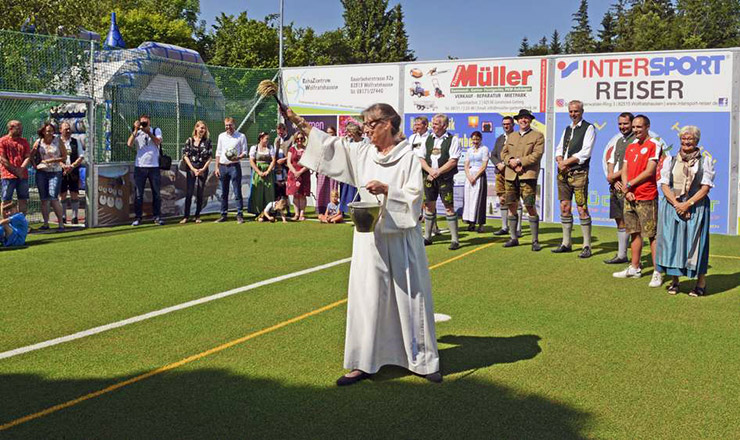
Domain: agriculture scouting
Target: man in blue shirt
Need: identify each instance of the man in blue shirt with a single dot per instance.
(14, 226)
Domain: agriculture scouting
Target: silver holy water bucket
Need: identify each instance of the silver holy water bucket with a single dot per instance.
(364, 215)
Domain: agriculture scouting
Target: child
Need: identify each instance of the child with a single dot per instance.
(14, 226)
(332, 214)
(273, 209)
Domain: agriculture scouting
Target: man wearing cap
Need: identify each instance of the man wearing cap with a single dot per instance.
(439, 166)
(573, 155)
(522, 154)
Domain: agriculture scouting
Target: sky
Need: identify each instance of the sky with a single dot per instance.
(437, 29)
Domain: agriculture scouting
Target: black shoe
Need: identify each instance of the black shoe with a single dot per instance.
(536, 246)
(616, 260)
(519, 234)
(75, 220)
(585, 253)
(480, 229)
(427, 242)
(454, 245)
(501, 232)
(344, 380)
(471, 228)
(434, 377)
(220, 219)
(562, 249)
(511, 243)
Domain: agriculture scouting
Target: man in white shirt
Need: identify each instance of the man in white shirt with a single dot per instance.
(146, 140)
(439, 166)
(419, 138)
(230, 171)
(573, 156)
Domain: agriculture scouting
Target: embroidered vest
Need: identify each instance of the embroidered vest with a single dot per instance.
(573, 143)
(444, 155)
(620, 149)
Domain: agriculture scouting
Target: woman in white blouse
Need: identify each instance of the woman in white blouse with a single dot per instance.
(476, 183)
(683, 213)
(51, 154)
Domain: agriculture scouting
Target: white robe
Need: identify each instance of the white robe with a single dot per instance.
(387, 323)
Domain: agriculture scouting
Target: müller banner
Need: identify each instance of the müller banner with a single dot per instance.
(689, 81)
(492, 85)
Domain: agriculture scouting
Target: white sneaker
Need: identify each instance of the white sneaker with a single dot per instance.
(656, 280)
(630, 272)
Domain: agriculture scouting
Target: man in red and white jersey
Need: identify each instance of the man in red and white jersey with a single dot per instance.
(639, 184)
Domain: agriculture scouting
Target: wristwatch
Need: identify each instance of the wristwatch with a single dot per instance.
(629, 185)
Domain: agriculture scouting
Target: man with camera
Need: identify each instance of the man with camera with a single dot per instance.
(146, 140)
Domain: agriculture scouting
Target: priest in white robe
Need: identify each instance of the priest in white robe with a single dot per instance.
(390, 318)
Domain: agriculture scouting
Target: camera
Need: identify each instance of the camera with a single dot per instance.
(143, 124)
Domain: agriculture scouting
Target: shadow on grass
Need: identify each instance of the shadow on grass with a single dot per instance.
(716, 283)
(216, 403)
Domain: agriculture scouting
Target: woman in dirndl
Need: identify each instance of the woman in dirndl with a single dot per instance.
(262, 160)
(476, 183)
(684, 211)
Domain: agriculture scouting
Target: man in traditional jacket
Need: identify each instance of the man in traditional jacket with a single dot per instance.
(615, 151)
(573, 156)
(439, 166)
(522, 154)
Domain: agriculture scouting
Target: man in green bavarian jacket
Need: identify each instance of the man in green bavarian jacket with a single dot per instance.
(439, 165)
(522, 154)
(573, 155)
(616, 148)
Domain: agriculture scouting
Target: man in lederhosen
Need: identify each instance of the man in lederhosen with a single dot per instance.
(573, 155)
(522, 154)
(616, 149)
(439, 167)
(507, 123)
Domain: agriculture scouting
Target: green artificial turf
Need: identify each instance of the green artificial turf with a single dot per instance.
(539, 345)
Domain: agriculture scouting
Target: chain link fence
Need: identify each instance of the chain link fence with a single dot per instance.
(123, 85)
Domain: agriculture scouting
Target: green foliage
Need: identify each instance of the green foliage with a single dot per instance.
(244, 42)
(556, 47)
(580, 38)
(705, 24)
(139, 25)
(373, 33)
(607, 33)
(524, 47)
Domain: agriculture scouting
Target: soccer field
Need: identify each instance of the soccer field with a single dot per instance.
(539, 345)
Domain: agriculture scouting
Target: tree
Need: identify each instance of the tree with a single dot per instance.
(139, 25)
(373, 33)
(579, 38)
(556, 47)
(708, 23)
(524, 47)
(607, 33)
(244, 42)
(653, 26)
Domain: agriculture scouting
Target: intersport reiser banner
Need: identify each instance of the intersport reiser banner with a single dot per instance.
(672, 89)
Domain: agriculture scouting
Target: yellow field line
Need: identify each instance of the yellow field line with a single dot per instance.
(198, 356)
(724, 256)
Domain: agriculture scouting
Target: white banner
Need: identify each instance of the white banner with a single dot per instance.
(336, 90)
(493, 86)
(693, 81)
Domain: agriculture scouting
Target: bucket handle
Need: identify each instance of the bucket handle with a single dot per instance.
(357, 195)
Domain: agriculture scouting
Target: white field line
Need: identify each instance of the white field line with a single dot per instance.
(166, 310)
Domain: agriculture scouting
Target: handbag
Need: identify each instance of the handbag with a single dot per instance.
(165, 161)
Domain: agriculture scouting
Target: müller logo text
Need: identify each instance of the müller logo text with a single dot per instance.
(473, 75)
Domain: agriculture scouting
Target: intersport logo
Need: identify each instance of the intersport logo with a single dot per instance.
(628, 67)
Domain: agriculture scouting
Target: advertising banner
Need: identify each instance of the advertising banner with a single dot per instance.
(490, 86)
(340, 90)
(670, 81)
(116, 193)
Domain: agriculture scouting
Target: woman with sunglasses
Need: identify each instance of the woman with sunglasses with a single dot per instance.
(390, 319)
